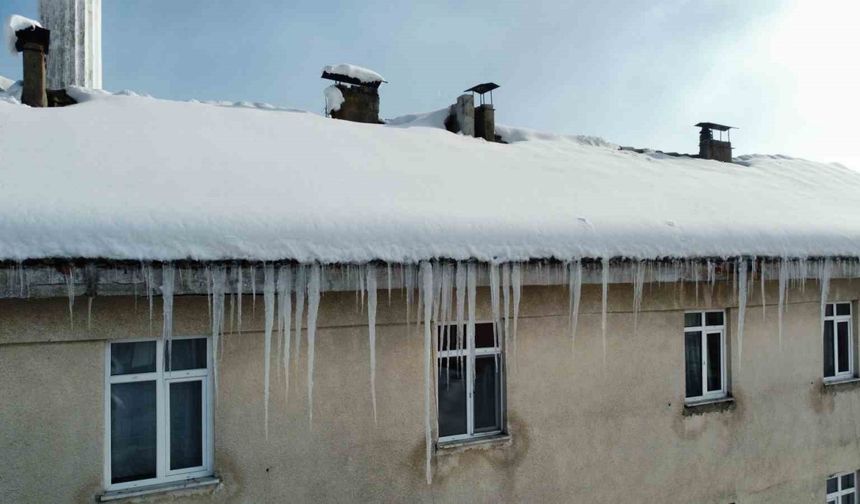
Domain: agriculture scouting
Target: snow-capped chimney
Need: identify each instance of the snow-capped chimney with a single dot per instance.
(709, 148)
(76, 55)
(33, 41)
(485, 114)
(355, 94)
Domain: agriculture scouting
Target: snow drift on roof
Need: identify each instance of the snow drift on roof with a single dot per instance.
(17, 23)
(129, 177)
(356, 72)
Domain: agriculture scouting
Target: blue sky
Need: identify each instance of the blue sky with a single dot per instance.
(637, 73)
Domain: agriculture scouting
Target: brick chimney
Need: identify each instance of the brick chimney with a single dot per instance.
(485, 114)
(355, 94)
(34, 43)
(709, 148)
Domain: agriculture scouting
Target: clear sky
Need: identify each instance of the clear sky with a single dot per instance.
(637, 73)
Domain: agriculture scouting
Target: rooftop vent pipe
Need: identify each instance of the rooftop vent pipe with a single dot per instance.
(34, 43)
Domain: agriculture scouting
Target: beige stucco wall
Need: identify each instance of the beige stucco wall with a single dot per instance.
(581, 431)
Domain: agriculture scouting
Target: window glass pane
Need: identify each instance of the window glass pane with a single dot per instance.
(715, 368)
(487, 394)
(132, 358)
(451, 339)
(714, 318)
(452, 396)
(843, 309)
(186, 354)
(484, 336)
(692, 319)
(832, 485)
(848, 499)
(133, 431)
(693, 358)
(842, 341)
(829, 355)
(828, 310)
(848, 481)
(186, 424)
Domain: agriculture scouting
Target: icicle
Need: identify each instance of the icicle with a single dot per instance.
(743, 288)
(239, 284)
(408, 275)
(506, 300)
(447, 293)
(763, 298)
(371, 331)
(219, 281)
(460, 281)
(90, 312)
(148, 281)
(168, 274)
(638, 282)
(285, 280)
(427, 288)
(825, 271)
(253, 271)
(313, 307)
(604, 299)
(517, 287)
(388, 270)
(471, 287)
(301, 288)
(494, 304)
(269, 303)
(574, 289)
(70, 291)
(783, 281)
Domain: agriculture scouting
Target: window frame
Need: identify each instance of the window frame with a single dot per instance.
(837, 319)
(704, 329)
(470, 353)
(163, 379)
(840, 492)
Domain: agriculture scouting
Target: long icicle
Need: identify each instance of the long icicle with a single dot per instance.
(575, 293)
(427, 287)
(313, 307)
(638, 283)
(783, 281)
(506, 300)
(301, 288)
(285, 280)
(219, 280)
(603, 307)
(269, 303)
(494, 304)
(763, 297)
(743, 288)
(70, 291)
(516, 287)
(825, 271)
(167, 287)
(460, 281)
(371, 331)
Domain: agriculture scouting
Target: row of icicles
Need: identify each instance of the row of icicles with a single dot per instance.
(447, 295)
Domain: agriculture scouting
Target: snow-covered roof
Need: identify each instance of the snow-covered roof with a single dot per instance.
(16, 23)
(356, 72)
(129, 177)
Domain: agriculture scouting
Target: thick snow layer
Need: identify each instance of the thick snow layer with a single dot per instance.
(129, 177)
(333, 99)
(17, 23)
(356, 72)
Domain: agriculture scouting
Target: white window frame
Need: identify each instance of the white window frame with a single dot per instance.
(163, 380)
(704, 329)
(838, 319)
(836, 497)
(469, 354)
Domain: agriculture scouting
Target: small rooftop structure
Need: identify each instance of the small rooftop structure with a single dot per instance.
(709, 148)
(352, 74)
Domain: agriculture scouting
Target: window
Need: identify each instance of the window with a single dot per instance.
(705, 355)
(470, 382)
(840, 489)
(838, 344)
(158, 414)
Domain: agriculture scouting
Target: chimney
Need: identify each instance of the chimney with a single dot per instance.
(461, 116)
(709, 148)
(76, 58)
(354, 95)
(485, 114)
(34, 42)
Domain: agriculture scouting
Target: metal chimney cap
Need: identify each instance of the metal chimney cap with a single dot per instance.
(714, 126)
(482, 88)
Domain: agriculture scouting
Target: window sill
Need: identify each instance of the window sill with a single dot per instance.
(831, 386)
(495, 441)
(711, 406)
(190, 484)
